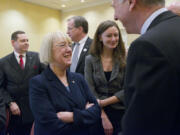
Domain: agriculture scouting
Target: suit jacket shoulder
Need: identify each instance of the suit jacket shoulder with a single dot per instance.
(161, 36)
(91, 58)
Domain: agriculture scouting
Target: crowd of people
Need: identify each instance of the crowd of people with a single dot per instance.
(77, 85)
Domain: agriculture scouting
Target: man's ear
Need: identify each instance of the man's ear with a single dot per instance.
(13, 42)
(132, 4)
(80, 28)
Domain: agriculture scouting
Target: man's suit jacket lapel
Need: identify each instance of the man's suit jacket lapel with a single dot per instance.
(15, 68)
(28, 62)
(161, 18)
(73, 45)
(84, 51)
(14, 63)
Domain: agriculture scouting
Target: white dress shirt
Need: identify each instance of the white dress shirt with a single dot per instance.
(81, 46)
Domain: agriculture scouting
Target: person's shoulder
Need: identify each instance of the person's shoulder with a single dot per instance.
(38, 82)
(4, 59)
(74, 74)
(141, 41)
(38, 78)
(32, 53)
(89, 40)
(91, 57)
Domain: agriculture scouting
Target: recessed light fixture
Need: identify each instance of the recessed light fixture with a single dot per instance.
(63, 5)
(82, 0)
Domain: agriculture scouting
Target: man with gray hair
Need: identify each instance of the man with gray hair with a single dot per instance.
(77, 29)
(152, 88)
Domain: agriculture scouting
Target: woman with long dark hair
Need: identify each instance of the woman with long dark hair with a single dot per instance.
(104, 72)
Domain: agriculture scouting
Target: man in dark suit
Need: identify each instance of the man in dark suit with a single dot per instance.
(2, 114)
(152, 88)
(15, 71)
(77, 30)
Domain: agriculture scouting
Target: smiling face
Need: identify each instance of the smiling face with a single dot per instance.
(21, 45)
(110, 38)
(61, 52)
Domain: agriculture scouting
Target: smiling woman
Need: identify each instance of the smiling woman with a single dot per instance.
(104, 72)
(61, 101)
(56, 40)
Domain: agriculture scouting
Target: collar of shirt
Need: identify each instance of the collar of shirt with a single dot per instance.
(81, 45)
(17, 57)
(150, 19)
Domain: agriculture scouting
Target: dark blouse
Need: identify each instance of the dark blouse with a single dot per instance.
(107, 75)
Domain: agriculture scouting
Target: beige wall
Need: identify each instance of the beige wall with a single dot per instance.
(94, 15)
(34, 20)
(170, 1)
(37, 21)
(97, 14)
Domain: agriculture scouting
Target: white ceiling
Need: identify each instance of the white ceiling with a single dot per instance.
(70, 4)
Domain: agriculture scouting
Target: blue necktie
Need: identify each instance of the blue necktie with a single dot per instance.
(75, 58)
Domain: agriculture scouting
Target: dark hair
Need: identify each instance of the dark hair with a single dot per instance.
(14, 34)
(97, 46)
(80, 21)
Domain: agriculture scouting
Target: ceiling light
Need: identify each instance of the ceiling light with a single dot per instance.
(63, 5)
(82, 0)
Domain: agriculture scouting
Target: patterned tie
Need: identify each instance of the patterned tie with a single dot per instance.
(21, 62)
(75, 58)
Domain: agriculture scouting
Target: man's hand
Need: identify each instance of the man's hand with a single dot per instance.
(14, 108)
